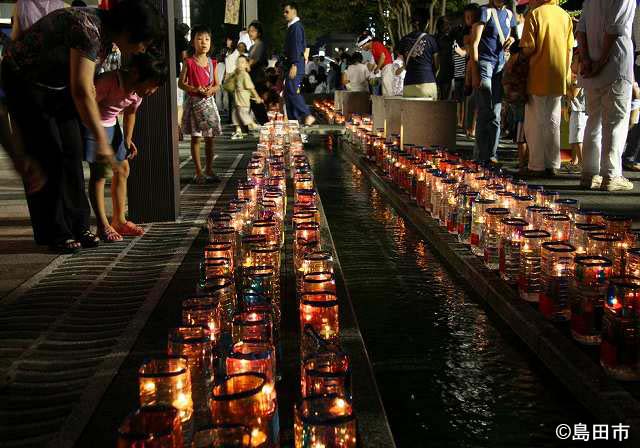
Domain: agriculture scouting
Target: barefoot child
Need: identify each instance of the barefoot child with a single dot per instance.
(578, 114)
(119, 91)
(244, 90)
(200, 117)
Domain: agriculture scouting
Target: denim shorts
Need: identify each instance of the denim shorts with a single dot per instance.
(114, 137)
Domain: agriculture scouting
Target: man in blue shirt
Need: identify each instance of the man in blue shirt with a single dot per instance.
(294, 49)
(491, 37)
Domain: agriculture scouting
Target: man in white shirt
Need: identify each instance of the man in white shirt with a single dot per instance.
(604, 36)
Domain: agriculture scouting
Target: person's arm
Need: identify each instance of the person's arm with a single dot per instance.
(15, 26)
(345, 78)
(298, 52)
(182, 82)
(528, 39)
(84, 97)
(380, 62)
(476, 35)
(462, 52)
(129, 122)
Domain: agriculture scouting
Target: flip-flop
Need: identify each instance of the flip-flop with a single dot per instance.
(68, 246)
(88, 240)
(109, 235)
(129, 229)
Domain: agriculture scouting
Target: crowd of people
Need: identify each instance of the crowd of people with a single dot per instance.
(65, 88)
(513, 70)
(66, 91)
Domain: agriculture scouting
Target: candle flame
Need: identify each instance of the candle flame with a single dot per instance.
(149, 386)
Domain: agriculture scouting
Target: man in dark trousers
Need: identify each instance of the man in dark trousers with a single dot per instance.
(294, 49)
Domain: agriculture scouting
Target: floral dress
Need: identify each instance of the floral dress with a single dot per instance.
(200, 117)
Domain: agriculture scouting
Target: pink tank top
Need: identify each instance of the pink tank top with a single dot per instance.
(198, 76)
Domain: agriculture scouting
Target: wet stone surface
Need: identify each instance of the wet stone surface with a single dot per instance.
(449, 373)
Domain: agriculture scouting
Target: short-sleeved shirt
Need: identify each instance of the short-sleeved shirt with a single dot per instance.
(112, 98)
(358, 76)
(378, 49)
(611, 17)
(420, 66)
(41, 54)
(244, 86)
(490, 47)
(548, 32)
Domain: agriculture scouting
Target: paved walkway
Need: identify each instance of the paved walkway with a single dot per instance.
(568, 184)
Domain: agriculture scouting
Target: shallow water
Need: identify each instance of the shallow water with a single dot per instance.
(450, 374)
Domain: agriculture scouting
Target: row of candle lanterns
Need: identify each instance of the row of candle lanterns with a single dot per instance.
(578, 266)
(217, 385)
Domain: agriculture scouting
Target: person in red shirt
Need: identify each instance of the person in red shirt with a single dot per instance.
(383, 61)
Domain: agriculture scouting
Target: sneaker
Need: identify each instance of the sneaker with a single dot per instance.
(591, 183)
(237, 136)
(616, 184)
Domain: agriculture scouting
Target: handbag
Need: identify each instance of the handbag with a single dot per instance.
(204, 112)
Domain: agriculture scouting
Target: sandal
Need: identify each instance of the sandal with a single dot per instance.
(88, 240)
(129, 229)
(109, 235)
(68, 246)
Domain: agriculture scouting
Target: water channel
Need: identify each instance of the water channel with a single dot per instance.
(449, 372)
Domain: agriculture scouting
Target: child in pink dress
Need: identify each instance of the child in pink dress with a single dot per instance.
(200, 118)
(119, 91)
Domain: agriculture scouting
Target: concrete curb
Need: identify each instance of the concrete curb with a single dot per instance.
(604, 398)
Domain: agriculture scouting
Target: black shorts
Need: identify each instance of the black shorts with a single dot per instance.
(458, 90)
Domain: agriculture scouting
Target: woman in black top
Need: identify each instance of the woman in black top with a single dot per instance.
(258, 62)
(48, 77)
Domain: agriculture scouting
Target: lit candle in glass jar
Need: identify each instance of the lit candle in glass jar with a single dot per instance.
(319, 282)
(620, 350)
(203, 311)
(326, 420)
(252, 326)
(319, 312)
(249, 356)
(166, 381)
(247, 399)
(557, 271)
(587, 298)
(153, 426)
(326, 372)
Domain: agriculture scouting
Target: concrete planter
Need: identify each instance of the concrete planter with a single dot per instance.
(426, 122)
(354, 103)
(377, 111)
(392, 114)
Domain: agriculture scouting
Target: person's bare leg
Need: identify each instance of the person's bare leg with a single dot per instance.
(523, 155)
(576, 153)
(96, 197)
(208, 154)
(195, 155)
(119, 194)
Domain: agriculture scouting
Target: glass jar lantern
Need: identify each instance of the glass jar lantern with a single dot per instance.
(478, 222)
(557, 272)
(151, 426)
(620, 347)
(530, 278)
(607, 245)
(326, 372)
(325, 421)
(580, 236)
(558, 225)
(464, 215)
(491, 236)
(589, 289)
(510, 249)
(167, 381)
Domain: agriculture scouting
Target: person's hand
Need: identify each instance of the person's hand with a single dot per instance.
(507, 43)
(104, 153)
(597, 66)
(133, 150)
(475, 77)
(202, 91)
(259, 101)
(293, 72)
(32, 175)
(586, 67)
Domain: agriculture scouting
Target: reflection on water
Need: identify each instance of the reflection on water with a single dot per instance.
(447, 375)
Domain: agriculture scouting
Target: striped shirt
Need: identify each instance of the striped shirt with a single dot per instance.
(459, 65)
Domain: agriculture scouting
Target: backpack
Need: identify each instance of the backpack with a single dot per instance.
(230, 83)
